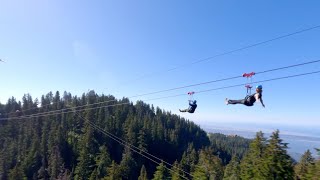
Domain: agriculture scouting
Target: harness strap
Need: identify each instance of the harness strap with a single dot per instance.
(249, 81)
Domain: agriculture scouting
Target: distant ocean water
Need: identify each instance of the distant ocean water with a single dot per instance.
(299, 141)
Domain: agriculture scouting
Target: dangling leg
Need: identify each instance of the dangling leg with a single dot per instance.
(241, 101)
(184, 110)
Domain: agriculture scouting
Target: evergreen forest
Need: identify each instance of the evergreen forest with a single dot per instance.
(93, 136)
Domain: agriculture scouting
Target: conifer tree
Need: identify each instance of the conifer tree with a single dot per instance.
(43, 172)
(142, 145)
(189, 159)
(277, 162)
(102, 162)
(143, 173)
(128, 165)
(208, 164)
(302, 168)
(232, 171)
(86, 161)
(3, 164)
(200, 173)
(16, 174)
(94, 175)
(161, 173)
(314, 170)
(175, 171)
(113, 172)
(252, 164)
(32, 162)
(55, 162)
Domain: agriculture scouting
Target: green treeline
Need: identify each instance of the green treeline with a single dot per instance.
(228, 146)
(61, 144)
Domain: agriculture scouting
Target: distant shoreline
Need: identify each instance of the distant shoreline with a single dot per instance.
(298, 144)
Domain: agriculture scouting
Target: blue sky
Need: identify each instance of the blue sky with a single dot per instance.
(107, 45)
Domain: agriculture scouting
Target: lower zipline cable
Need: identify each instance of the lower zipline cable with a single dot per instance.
(66, 110)
(192, 85)
(132, 147)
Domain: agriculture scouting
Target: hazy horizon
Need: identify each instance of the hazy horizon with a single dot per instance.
(298, 140)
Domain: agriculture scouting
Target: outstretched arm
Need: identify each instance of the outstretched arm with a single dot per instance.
(260, 99)
(262, 102)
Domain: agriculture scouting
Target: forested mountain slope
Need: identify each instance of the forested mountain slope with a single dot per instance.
(70, 137)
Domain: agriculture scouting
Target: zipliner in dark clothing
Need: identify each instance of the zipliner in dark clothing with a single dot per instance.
(192, 107)
(248, 100)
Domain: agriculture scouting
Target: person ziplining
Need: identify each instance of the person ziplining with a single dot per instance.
(192, 104)
(249, 100)
(192, 107)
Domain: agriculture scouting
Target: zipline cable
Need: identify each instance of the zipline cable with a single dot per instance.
(255, 82)
(193, 85)
(131, 147)
(225, 79)
(63, 111)
(230, 52)
(243, 48)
